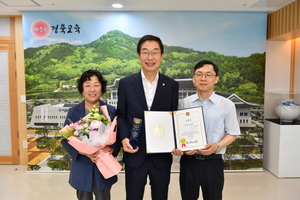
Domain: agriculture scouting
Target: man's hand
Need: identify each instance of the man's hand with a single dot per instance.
(127, 147)
(192, 152)
(209, 149)
(177, 152)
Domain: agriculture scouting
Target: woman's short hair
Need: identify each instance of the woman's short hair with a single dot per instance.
(86, 76)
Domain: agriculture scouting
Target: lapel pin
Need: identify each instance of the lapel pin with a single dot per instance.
(163, 84)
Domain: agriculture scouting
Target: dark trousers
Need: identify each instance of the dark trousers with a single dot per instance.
(207, 174)
(136, 179)
(99, 194)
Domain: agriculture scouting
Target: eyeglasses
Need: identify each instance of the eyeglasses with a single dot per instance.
(147, 53)
(207, 75)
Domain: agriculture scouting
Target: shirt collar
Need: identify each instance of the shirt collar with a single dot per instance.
(213, 98)
(144, 77)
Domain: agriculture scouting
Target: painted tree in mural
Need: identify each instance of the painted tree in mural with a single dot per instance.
(114, 54)
(49, 68)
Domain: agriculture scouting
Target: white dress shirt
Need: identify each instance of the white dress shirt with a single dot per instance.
(149, 89)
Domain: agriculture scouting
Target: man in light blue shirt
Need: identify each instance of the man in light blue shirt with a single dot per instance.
(204, 167)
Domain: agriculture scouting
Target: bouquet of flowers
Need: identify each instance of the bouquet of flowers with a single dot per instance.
(91, 134)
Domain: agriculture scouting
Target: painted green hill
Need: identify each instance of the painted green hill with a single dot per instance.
(114, 54)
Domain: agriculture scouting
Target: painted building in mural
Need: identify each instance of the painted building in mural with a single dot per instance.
(186, 88)
(49, 115)
(55, 115)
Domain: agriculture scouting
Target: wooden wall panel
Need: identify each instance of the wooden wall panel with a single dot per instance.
(15, 41)
(7, 44)
(284, 24)
(297, 14)
(21, 90)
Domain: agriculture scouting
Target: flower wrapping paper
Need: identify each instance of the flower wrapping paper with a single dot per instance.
(106, 163)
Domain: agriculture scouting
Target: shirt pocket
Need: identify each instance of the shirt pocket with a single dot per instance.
(215, 125)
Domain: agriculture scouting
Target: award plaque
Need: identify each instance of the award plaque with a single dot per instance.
(182, 129)
(135, 132)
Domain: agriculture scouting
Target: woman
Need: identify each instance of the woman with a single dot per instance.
(84, 174)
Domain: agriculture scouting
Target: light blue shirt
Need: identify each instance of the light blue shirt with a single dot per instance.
(219, 116)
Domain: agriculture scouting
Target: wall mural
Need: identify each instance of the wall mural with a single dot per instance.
(59, 46)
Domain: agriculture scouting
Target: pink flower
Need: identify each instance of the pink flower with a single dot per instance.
(93, 133)
(95, 124)
(90, 125)
(65, 129)
(76, 133)
(86, 119)
(78, 126)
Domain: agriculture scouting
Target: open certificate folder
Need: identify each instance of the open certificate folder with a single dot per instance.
(183, 129)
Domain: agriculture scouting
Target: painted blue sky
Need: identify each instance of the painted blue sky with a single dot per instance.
(229, 33)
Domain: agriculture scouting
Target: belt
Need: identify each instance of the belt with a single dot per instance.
(199, 156)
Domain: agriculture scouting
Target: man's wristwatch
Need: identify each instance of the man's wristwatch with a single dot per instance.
(218, 148)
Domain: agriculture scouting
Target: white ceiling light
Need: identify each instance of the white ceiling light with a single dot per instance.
(117, 5)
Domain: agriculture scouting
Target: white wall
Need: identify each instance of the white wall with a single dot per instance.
(278, 54)
(278, 74)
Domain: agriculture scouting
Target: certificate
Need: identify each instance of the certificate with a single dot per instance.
(183, 129)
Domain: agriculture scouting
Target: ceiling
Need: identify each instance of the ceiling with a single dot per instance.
(15, 7)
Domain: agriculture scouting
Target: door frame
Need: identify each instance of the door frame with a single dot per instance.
(7, 44)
